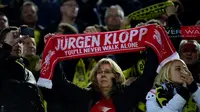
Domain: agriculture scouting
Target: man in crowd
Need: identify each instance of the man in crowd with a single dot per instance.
(29, 53)
(113, 19)
(15, 78)
(69, 12)
(3, 21)
(189, 52)
(29, 16)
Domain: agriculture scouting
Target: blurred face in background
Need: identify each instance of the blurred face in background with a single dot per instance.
(17, 49)
(70, 8)
(189, 53)
(114, 19)
(3, 22)
(29, 47)
(29, 14)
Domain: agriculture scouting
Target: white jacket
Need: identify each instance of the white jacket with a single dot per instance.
(176, 104)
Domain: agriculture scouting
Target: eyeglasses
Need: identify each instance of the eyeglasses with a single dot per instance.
(105, 72)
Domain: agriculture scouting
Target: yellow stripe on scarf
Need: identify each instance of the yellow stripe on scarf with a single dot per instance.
(142, 106)
(149, 12)
(158, 96)
(189, 107)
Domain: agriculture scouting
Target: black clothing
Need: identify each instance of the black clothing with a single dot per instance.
(124, 98)
(17, 93)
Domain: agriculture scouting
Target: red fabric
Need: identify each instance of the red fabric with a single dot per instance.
(63, 47)
(161, 43)
(190, 32)
(103, 105)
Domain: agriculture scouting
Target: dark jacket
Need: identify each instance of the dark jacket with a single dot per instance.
(12, 67)
(17, 92)
(125, 97)
(173, 21)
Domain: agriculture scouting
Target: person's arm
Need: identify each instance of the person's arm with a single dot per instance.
(196, 97)
(192, 87)
(64, 90)
(137, 90)
(173, 19)
(70, 91)
(174, 105)
(195, 91)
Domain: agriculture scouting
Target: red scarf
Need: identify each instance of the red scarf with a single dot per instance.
(63, 47)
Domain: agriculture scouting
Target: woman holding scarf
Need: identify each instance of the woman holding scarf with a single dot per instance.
(107, 92)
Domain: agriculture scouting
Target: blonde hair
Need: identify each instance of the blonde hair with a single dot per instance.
(163, 75)
(120, 78)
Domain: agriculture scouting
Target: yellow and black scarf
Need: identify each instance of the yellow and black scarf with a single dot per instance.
(81, 76)
(163, 95)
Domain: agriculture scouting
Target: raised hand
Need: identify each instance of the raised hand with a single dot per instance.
(13, 37)
(91, 29)
(187, 77)
(47, 36)
(170, 10)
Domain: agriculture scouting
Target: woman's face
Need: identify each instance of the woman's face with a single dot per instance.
(104, 76)
(177, 72)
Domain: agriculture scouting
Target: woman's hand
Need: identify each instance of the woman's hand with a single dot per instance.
(47, 36)
(189, 81)
(91, 29)
(126, 22)
(170, 10)
(187, 77)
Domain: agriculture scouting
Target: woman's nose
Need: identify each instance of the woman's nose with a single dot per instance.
(103, 74)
